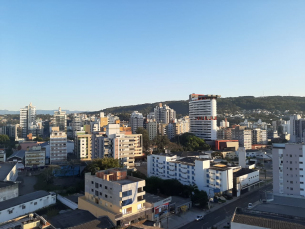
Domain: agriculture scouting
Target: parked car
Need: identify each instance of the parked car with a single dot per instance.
(199, 217)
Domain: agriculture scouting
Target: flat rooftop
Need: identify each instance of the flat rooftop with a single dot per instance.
(22, 199)
(125, 181)
(243, 171)
(5, 169)
(267, 220)
(153, 198)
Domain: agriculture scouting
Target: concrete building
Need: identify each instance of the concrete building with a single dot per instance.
(76, 124)
(203, 116)
(136, 121)
(152, 129)
(27, 119)
(288, 162)
(171, 130)
(116, 195)
(159, 204)
(183, 125)
(112, 119)
(212, 178)
(8, 190)
(226, 144)
(35, 157)
(259, 136)
(11, 130)
(297, 129)
(17, 158)
(58, 146)
(244, 180)
(164, 114)
(60, 120)
(22, 205)
(224, 124)
(243, 135)
(83, 145)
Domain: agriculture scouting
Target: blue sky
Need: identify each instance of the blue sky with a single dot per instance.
(89, 55)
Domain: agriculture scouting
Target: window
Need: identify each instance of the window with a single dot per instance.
(92, 182)
(106, 196)
(106, 187)
(101, 194)
(100, 185)
(10, 211)
(35, 203)
(96, 193)
(23, 206)
(291, 188)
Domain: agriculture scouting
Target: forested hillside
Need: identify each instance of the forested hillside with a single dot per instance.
(231, 104)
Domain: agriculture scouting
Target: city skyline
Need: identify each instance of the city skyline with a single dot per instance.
(93, 55)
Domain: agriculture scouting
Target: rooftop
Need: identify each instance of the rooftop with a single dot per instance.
(80, 219)
(4, 184)
(153, 198)
(179, 200)
(243, 171)
(5, 169)
(22, 199)
(20, 154)
(267, 220)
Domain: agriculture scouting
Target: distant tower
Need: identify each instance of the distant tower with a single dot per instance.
(242, 157)
(203, 116)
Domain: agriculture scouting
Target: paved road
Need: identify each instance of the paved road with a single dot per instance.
(226, 211)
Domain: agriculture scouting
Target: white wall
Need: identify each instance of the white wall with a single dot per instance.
(13, 174)
(29, 207)
(244, 226)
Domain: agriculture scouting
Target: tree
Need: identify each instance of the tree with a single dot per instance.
(190, 142)
(200, 198)
(161, 142)
(145, 137)
(102, 164)
(4, 140)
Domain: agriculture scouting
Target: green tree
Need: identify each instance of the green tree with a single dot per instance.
(200, 198)
(190, 142)
(161, 142)
(102, 164)
(4, 140)
(145, 138)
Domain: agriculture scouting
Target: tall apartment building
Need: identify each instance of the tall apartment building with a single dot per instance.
(164, 114)
(103, 120)
(191, 171)
(11, 130)
(259, 136)
(243, 135)
(297, 129)
(183, 125)
(111, 192)
(152, 129)
(83, 145)
(35, 157)
(203, 116)
(289, 169)
(112, 119)
(136, 120)
(27, 119)
(171, 130)
(60, 120)
(116, 145)
(58, 146)
(76, 123)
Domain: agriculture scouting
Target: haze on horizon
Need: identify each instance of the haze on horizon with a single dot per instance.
(91, 55)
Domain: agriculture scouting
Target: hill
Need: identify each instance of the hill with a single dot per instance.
(230, 104)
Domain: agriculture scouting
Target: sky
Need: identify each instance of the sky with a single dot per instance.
(95, 54)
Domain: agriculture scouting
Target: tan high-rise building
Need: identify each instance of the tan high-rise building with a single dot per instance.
(58, 146)
(83, 145)
(35, 157)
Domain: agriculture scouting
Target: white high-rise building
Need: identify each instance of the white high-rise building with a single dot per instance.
(164, 114)
(58, 146)
(136, 121)
(297, 129)
(288, 169)
(27, 119)
(152, 129)
(203, 116)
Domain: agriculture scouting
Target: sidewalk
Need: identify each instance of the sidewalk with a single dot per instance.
(177, 221)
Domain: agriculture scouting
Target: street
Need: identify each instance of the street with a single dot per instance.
(227, 211)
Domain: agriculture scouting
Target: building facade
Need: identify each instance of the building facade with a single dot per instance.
(164, 114)
(191, 171)
(203, 116)
(152, 129)
(113, 193)
(289, 169)
(83, 145)
(35, 157)
(58, 146)
(60, 120)
(27, 119)
(136, 120)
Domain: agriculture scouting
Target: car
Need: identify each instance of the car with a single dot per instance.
(250, 205)
(199, 217)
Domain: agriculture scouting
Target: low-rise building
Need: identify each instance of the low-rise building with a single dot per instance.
(35, 157)
(22, 205)
(244, 180)
(159, 204)
(212, 178)
(114, 194)
(8, 190)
